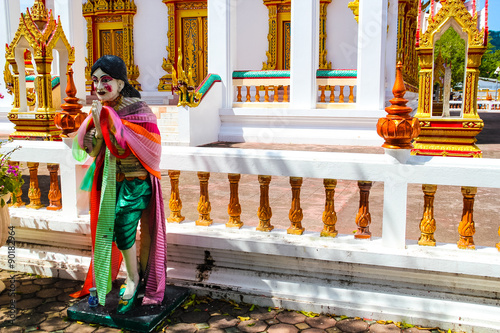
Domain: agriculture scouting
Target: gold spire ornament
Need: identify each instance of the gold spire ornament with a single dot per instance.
(39, 32)
(398, 128)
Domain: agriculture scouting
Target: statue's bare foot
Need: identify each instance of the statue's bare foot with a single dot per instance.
(131, 286)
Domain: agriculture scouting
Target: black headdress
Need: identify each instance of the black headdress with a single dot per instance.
(116, 68)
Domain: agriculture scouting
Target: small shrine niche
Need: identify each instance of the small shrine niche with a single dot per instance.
(446, 132)
(30, 56)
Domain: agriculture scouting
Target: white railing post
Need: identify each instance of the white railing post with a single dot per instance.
(74, 201)
(395, 202)
(304, 54)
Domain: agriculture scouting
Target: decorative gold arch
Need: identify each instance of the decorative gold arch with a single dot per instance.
(279, 12)
(450, 136)
(41, 34)
(110, 30)
(195, 13)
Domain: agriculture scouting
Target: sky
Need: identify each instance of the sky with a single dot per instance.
(493, 13)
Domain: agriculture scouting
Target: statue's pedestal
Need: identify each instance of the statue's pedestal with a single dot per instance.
(141, 319)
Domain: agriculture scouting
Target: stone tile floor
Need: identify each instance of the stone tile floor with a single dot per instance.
(41, 304)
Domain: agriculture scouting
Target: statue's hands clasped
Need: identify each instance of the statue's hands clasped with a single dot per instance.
(96, 115)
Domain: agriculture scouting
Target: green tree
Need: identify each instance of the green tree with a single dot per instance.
(491, 58)
(452, 49)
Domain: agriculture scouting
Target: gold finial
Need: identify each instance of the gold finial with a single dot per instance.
(398, 128)
(39, 14)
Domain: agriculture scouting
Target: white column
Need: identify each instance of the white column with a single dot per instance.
(304, 53)
(221, 44)
(372, 36)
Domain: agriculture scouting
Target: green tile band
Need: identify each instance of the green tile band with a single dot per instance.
(207, 83)
(323, 73)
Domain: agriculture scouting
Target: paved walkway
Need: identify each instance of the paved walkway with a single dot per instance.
(41, 304)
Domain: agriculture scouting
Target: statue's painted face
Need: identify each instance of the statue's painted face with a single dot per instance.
(106, 87)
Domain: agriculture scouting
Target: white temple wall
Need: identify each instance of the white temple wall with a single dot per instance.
(252, 28)
(342, 35)
(150, 42)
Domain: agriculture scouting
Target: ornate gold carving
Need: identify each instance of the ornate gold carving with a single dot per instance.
(34, 190)
(18, 194)
(183, 85)
(54, 191)
(363, 217)
(466, 227)
(329, 215)
(295, 215)
(398, 128)
(175, 203)
(428, 223)
(177, 11)
(204, 206)
(498, 244)
(354, 6)
(272, 39)
(189, 5)
(451, 10)
(234, 207)
(41, 32)
(406, 53)
(264, 212)
(120, 13)
(167, 65)
(323, 52)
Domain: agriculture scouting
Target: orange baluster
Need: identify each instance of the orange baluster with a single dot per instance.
(264, 213)
(466, 227)
(266, 94)
(285, 94)
(257, 96)
(204, 207)
(54, 191)
(276, 93)
(498, 244)
(18, 194)
(249, 97)
(34, 191)
(238, 97)
(322, 95)
(234, 207)
(295, 215)
(332, 94)
(351, 94)
(341, 95)
(428, 223)
(363, 218)
(175, 202)
(329, 215)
